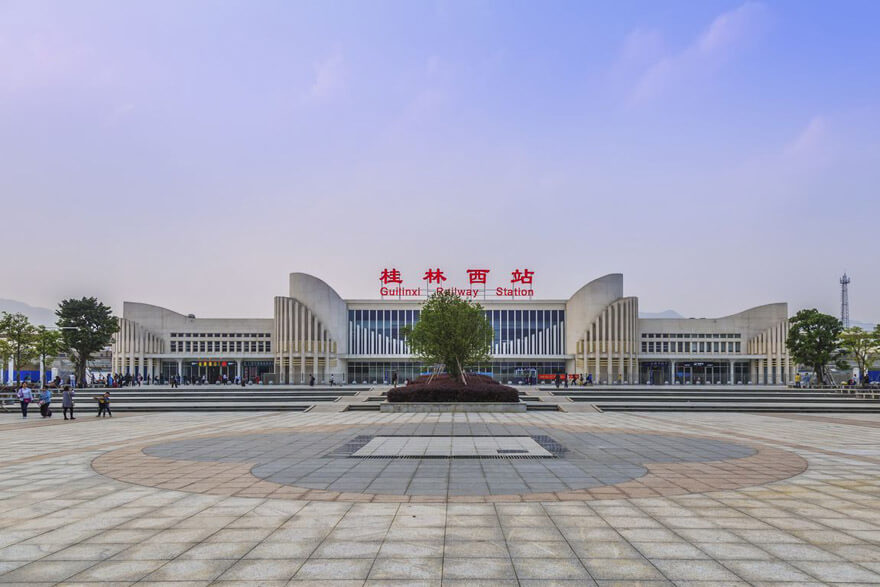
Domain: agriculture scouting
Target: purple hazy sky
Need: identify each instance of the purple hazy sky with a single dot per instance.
(191, 154)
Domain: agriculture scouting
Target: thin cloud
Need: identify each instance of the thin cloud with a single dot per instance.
(810, 139)
(727, 33)
(329, 78)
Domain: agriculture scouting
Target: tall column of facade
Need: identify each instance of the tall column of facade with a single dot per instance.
(586, 350)
(760, 371)
(326, 355)
(619, 313)
(313, 326)
(779, 366)
(278, 337)
(672, 371)
(732, 378)
(290, 342)
(131, 347)
(595, 349)
(606, 350)
(284, 341)
(300, 341)
(180, 367)
(624, 340)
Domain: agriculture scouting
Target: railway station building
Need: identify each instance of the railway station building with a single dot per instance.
(316, 333)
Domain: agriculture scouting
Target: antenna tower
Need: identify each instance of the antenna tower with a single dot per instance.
(844, 300)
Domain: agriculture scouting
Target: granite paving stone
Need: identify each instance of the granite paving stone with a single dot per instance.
(281, 498)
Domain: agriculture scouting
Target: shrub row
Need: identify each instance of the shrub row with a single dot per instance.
(444, 388)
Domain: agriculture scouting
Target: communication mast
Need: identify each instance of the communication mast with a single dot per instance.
(844, 300)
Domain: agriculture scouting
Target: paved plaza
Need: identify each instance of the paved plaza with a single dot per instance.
(363, 498)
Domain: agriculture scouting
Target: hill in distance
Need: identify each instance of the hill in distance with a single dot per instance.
(38, 316)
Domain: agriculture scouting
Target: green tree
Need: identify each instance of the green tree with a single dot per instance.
(87, 327)
(21, 336)
(453, 332)
(47, 346)
(862, 346)
(813, 340)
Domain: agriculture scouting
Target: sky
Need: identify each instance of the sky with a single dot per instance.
(721, 155)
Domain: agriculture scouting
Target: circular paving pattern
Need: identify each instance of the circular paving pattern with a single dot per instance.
(454, 461)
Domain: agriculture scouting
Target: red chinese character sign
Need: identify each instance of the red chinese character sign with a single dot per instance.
(392, 284)
(524, 276)
(434, 276)
(390, 276)
(477, 276)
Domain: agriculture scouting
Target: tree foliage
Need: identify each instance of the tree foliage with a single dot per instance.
(453, 332)
(20, 336)
(48, 344)
(861, 346)
(87, 327)
(813, 340)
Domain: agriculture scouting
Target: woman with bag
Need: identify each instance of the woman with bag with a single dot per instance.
(25, 397)
(67, 402)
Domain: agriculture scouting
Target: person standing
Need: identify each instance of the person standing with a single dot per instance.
(67, 402)
(25, 397)
(105, 405)
(557, 380)
(394, 378)
(312, 380)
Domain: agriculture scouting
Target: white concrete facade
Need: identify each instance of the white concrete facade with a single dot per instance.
(316, 333)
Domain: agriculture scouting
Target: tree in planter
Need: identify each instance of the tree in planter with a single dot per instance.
(813, 340)
(87, 327)
(453, 332)
(21, 336)
(47, 346)
(862, 346)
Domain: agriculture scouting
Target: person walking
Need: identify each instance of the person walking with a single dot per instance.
(557, 381)
(46, 403)
(67, 402)
(25, 397)
(394, 378)
(312, 380)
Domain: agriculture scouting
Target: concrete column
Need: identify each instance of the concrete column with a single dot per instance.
(180, 367)
(150, 367)
(779, 371)
(131, 348)
(672, 372)
(634, 342)
(42, 373)
(732, 377)
(327, 370)
(289, 341)
(760, 371)
(595, 341)
(10, 377)
(606, 348)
